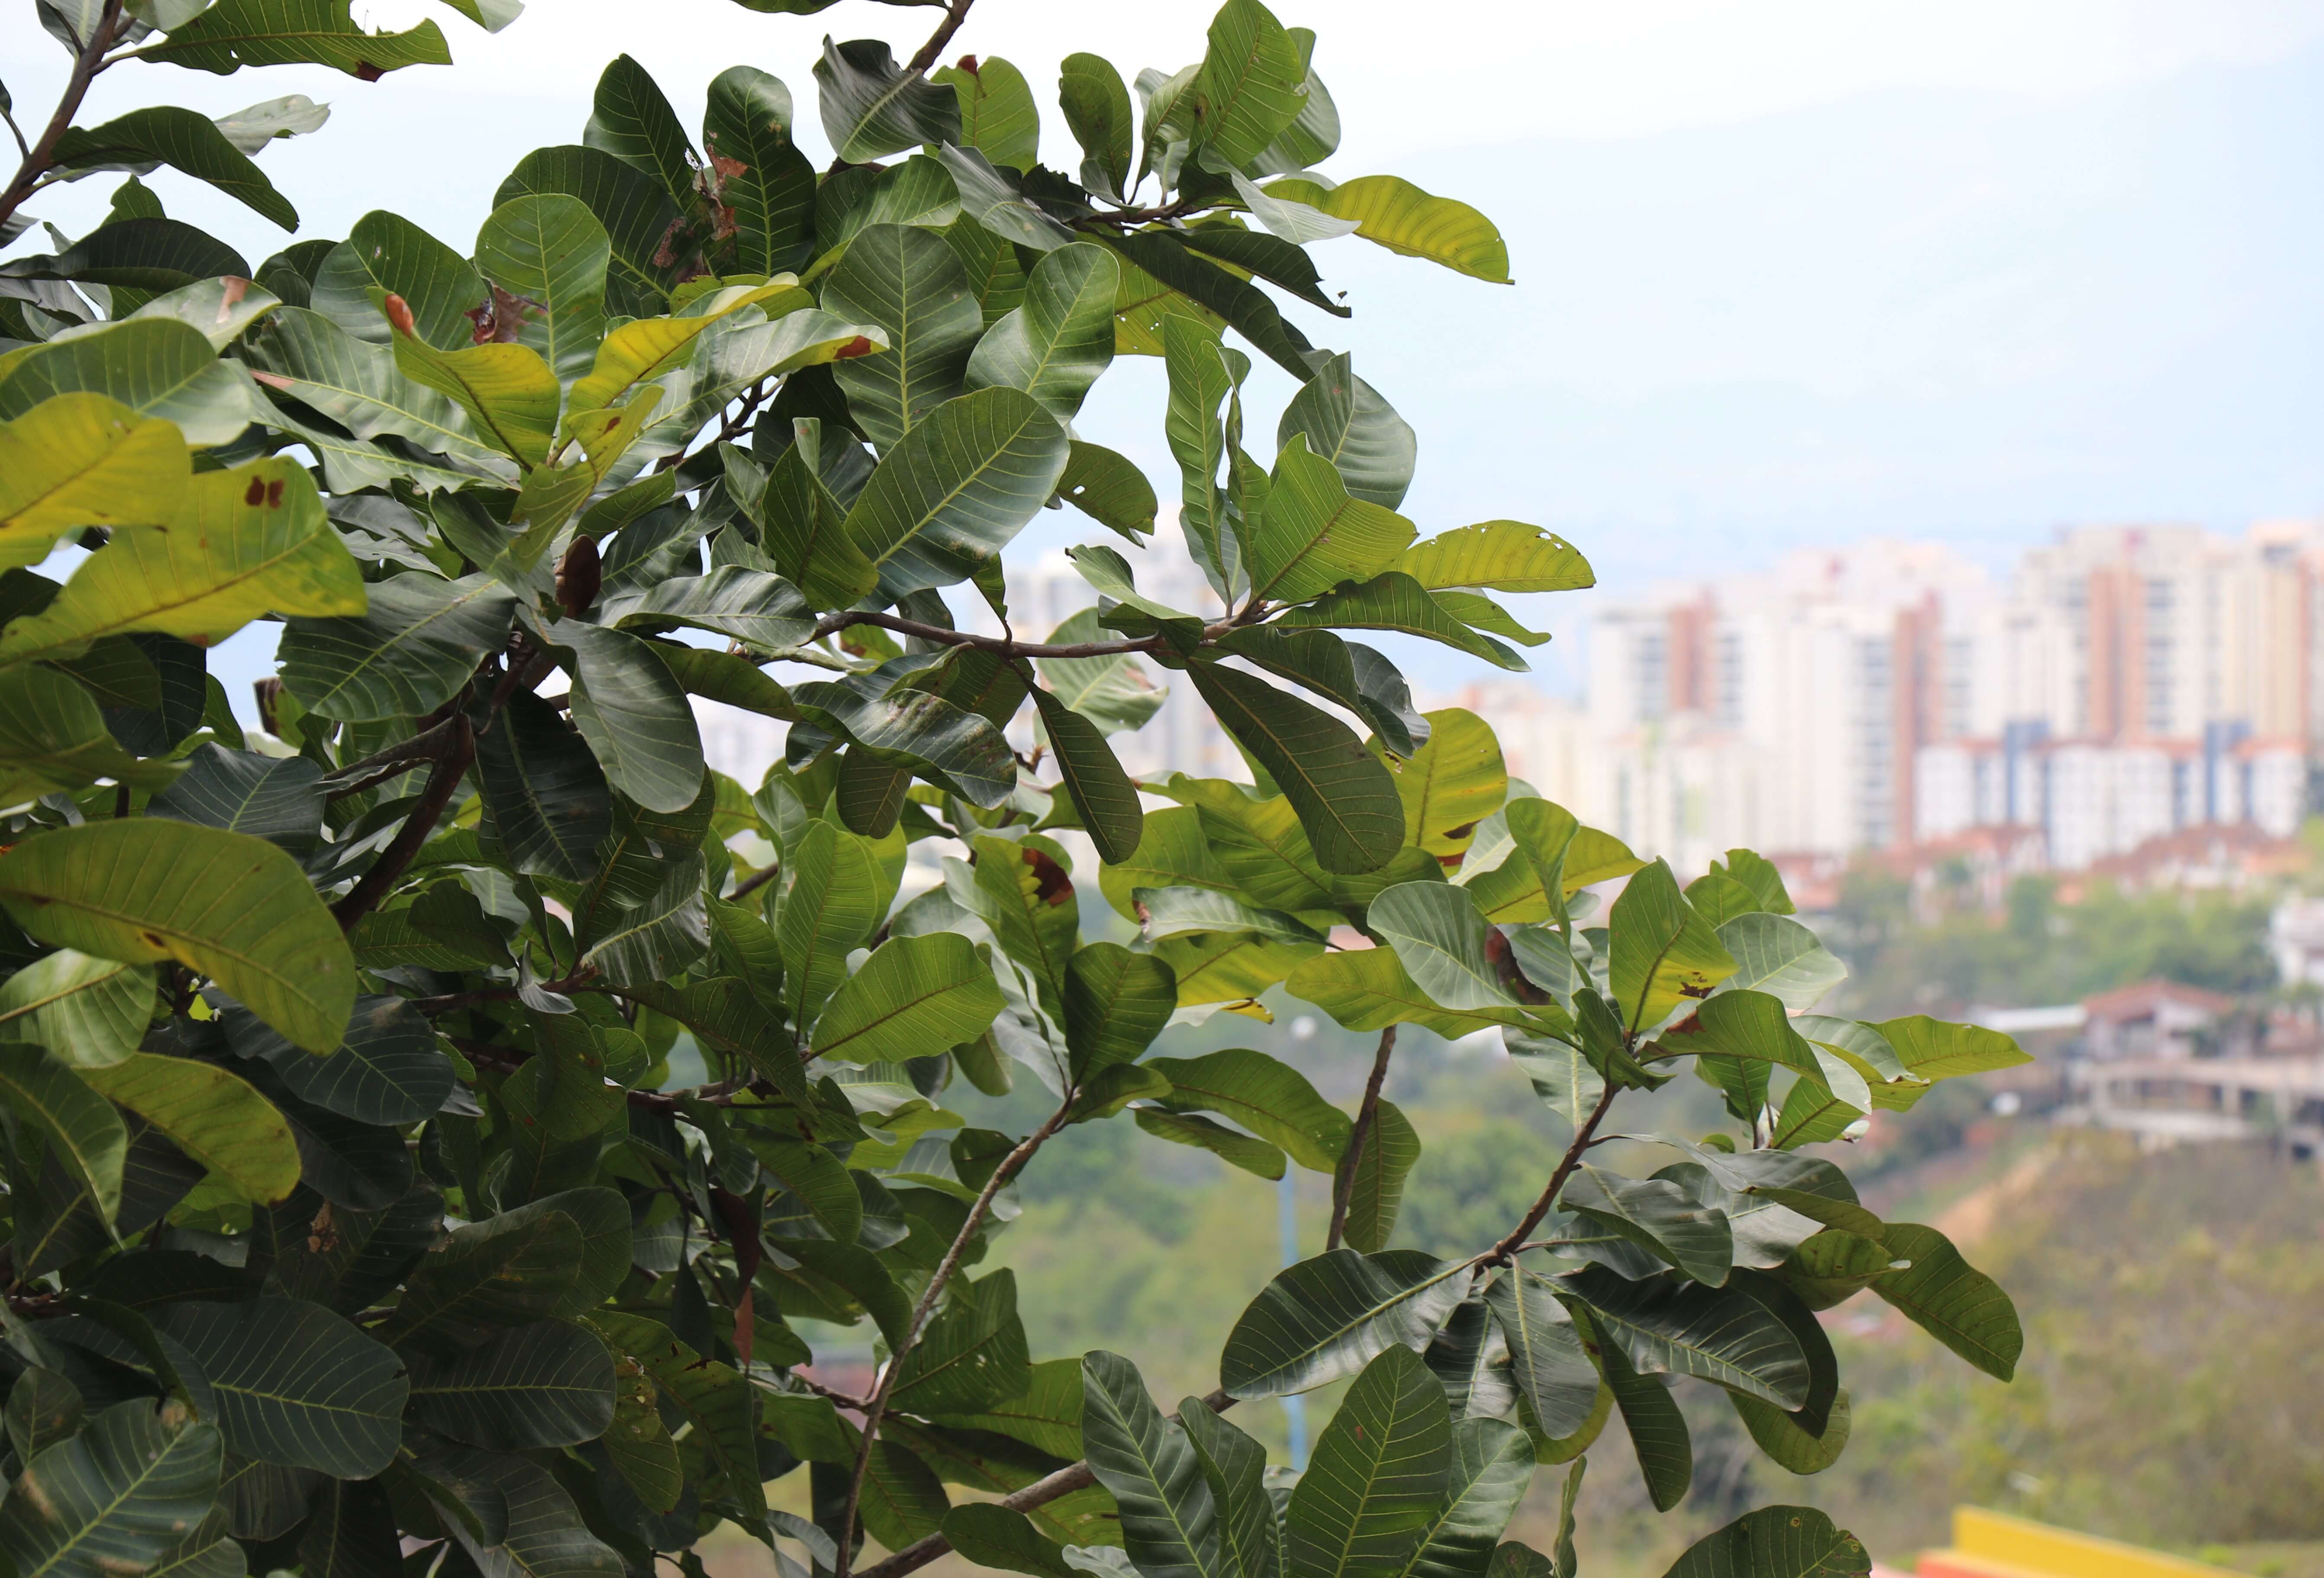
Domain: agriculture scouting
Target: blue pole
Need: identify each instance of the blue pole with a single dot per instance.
(1294, 1408)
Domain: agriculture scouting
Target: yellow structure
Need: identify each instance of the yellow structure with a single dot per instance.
(1994, 1544)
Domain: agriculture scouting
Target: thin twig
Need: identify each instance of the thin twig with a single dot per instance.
(930, 52)
(755, 881)
(832, 624)
(442, 785)
(876, 1405)
(1343, 1179)
(1498, 1255)
(41, 155)
(428, 745)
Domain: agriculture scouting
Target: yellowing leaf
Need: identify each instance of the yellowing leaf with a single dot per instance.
(83, 460)
(213, 1117)
(246, 542)
(1401, 217)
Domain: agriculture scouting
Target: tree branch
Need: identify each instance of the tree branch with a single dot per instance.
(755, 881)
(86, 66)
(442, 783)
(832, 624)
(1343, 1179)
(1498, 1255)
(876, 1405)
(930, 52)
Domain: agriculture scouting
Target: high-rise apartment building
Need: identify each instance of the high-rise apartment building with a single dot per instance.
(2127, 682)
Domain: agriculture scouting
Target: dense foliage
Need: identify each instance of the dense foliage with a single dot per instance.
(351, 1203)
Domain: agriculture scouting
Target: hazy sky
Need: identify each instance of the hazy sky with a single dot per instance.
(1787, 272)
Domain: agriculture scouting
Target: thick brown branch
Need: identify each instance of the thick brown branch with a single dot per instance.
(42, 154)
(929, 54)
(876, 1405)
(755, 882)
(1343, 1180)
(428, 745)
(1499, 1253)
(442, 785)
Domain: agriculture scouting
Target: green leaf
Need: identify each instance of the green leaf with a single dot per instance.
(156, 367)
(1377, 1480)
(1658, 1433)
(234, 33)
(1754, 1027)
(994, 1536)
(386, 251)
(231, 906)
(403, 656)
(87, 1011)
(872, 107)
(1103, 795)
(1325, 1318)
(913, 992)
(1368, 989)
(82, 1126)
(1492, 1464)
(1345, 421)
(1345, 798)
(546, 804)
(820, 1180)
(356, 384)
(278, 799)
(831, 903)
(1313, 534)
(1113, 692)
(1375, 1189)
(1775, 1542)
(1395, 214)
(1393, 600)
(1202, 373)
(1663, 952)
(1234, 1468)
(1249, 91)
(1109, 573)
(508, 391)
(1115, 1003)
(1780, 958)
(1660, 1218)
(633, 713)
(215, 1118)
(84, 460)
(1256, 1157)
(1455, 781)
(296, 1384)
(183, 139)
(548, 1384)
(1267, 1096)
(971, 1356)
(629, 119)
(997, 116)
(1951, 1300)
(958, 488)
(1782, 1437)
(551, 250)
(247, 541)
(1833, 1266)
(1055, 345)
(1930, 1049)
(140, 252)
(1552, 1367)
(544, 1534)
(43, 1409)
(114, 1497)
(1684, 1329)
(639, 218)
(1168, 1520)
(1502, 555)
(1108, 487)
(748, 123)
(1206, 292)
(1096, 106)
(903, 1500)
(1439, 935)
(907, 282)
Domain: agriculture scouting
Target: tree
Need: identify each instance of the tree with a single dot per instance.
(351, 1199)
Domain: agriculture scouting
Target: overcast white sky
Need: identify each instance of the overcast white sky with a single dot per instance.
(2039, 261)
